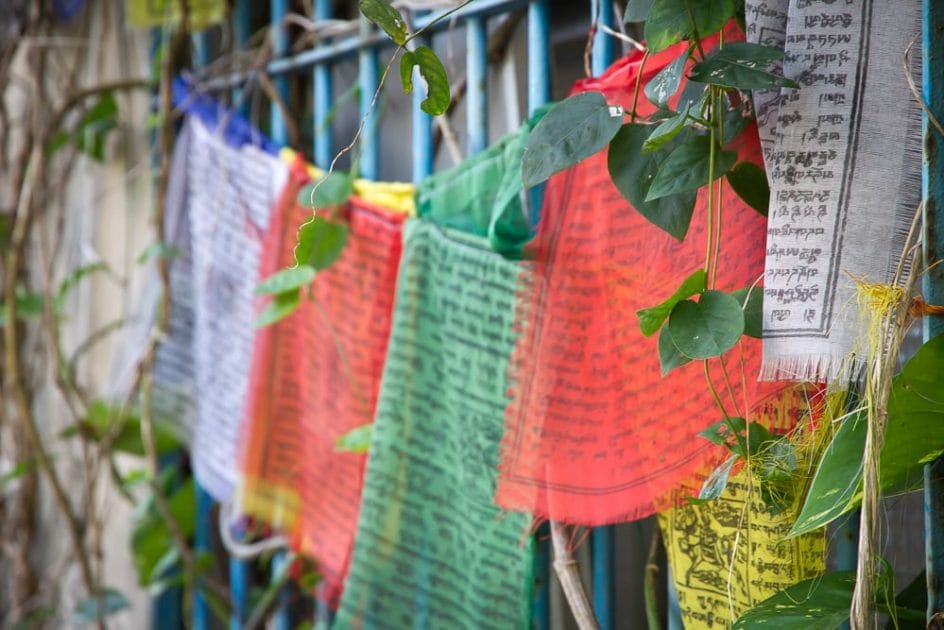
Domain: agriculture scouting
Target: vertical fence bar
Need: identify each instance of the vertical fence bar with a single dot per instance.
(202, 543)
(278, 131)
(539, 93)
(241, 32)
(277, 10)
(604, 53)
(238, 586)
(422, 128)
(368, 80)
(477, 79)
(933, 280)
(322, 99)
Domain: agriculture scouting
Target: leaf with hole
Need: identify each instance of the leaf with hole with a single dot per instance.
(286, 280)
(707, 328)
(320, 242)
(751, 300)
(687, 168)
(357, 440)
(571, 131)
(636, 11)
(281, 306)
(632, 172)
(669, 356)
(665, 84)
(749, 181)
(386, 17)
(431, 69)
(650, 319)
(742, 66)
(329, 192)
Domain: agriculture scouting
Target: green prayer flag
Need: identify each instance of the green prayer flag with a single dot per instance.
(432, 549)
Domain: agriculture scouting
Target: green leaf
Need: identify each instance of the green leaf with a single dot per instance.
(357, 440)
(286, 280)
(665, 132)
(820, 603)
(432, 70)
(331, 191)
(22, 468)
(633, 171)
(386, 17)
(665, 84)
(571, 131)
(670, 21)
(687, 168)
(157, 250)
(707, 328)
(73, 280)
(650, 319)
(636, 11)
(150, 538)
(100, 420)
(837, 478)
(752, 303)
(742, 66)
(669, 356)
(778, 461)
(320, 242)
(281, 306)
(749, 181)
(717, 481)
(108, 602)
(734, 122)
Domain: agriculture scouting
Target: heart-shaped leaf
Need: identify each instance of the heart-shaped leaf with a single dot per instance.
(386, 17)
(320, 242)
(286, 280)
(650, 319)
(688, 167)
(571, 131)
(633, 171)
(752, 303)
(669, 356)
(749, 181)
(670, 21)
(331, 191)
(707, 328)
(281, 306)
(741, 66)
(432, 70)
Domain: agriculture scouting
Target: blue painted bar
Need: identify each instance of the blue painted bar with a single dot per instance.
(322, 99)
(539, 93)
(201, 49)
(604, 46)
(675, 611)
(422, 124)
(278, 9)
(369, 78)
(932, 54)
(604, 53)
(282, 618)
(241, 32)
(350, 45)
(202, 543)
(539, 80)
(239, 590)
(476, 96)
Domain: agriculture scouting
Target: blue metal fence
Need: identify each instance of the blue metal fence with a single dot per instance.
(367, 46)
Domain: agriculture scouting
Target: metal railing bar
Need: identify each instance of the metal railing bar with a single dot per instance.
(347, 46)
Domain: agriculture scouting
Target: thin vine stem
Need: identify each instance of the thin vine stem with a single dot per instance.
(642, 66)
(714, 391)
